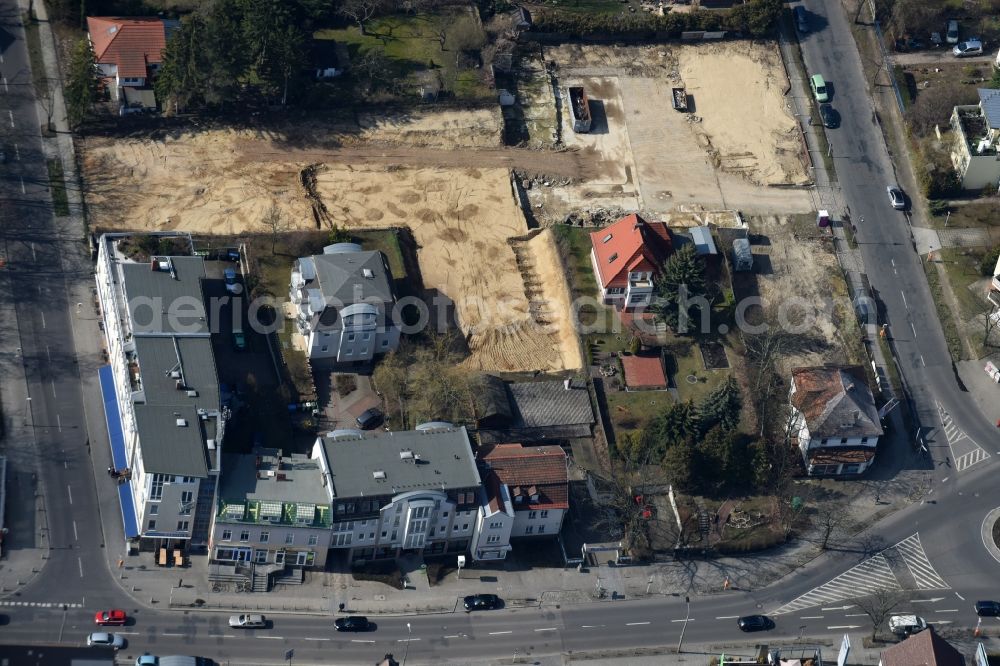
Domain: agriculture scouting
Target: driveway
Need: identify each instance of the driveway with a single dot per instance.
(341, 410)
(934, 57)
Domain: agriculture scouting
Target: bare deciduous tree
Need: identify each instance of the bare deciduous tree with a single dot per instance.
(879, 605)
(45, 94)
(274, 223)
(360, 11)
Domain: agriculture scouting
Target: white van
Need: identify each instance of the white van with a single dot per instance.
(905, 625)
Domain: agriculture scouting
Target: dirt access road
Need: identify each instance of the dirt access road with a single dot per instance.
(575, 165)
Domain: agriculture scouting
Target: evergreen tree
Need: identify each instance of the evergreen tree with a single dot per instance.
(82, 83)
(722, 407)
(679, 465)
(676, 424)
(681, 281)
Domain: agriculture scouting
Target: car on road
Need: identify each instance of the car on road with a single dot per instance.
(801, 20)
(906, 625)
(370, 418)
(353, 623)
(970, 47)
(115, 617)
(828, 115)
(105, 639)
(247, 621)
(819, 89)
(239, 340)
(755, 623)
(147, 660)
(951, 34)
(896, 197)
(988, 608)
(481, 602)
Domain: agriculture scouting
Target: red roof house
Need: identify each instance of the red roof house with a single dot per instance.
(626, 256)
(537, 478)
(644, 372)
(129, 52)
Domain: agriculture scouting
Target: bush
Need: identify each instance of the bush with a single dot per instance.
(937, 207)
(345, 384)
(989, 261)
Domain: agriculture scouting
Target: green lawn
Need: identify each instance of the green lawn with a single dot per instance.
(962, 266)
(969, 216)
(413, 45)
(57, 183)
(586, 6)
(944, 313)
(687, 361)
(574, 245)
(633, 410)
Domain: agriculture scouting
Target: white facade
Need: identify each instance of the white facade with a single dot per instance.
(494, 524)
(537, 521)
(638, 290)
(976, 158)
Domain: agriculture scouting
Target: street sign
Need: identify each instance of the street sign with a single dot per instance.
(845, 649)
(289, 655)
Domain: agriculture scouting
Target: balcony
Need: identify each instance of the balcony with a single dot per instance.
(975, 133)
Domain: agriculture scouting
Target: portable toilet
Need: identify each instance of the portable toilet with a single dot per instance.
(823, 218)
(742, 256)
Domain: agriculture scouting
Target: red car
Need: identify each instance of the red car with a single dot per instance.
(110, 617)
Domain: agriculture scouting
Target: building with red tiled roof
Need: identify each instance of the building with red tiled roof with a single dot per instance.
(644, 372)
(626, 256)
(537, 481)
(923, 649)
(129, 53)
(837, 424)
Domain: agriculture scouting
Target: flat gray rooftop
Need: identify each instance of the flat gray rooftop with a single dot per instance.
(168, 448)
(301, 479)
(161, 301)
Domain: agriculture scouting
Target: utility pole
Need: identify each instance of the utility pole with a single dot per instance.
(680, 641)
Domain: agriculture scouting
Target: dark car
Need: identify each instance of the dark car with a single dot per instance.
(353, 623)
(829, 117)
(801, 21)
(481, 602)
(755, 623)
(988, 608)
(370, 418)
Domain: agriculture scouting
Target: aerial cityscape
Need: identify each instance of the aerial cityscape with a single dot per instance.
(617, 332)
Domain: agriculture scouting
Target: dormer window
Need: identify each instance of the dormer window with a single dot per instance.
(612, 257)
(606, 238)
(534, 497)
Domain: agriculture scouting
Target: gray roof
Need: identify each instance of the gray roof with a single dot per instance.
(989, 99)
(342, 277)
(442, 459)
(163, 301)
(550, 403)
(703, 241)
(171, 449)
(302, 479)
(159, 355)
(836, 402)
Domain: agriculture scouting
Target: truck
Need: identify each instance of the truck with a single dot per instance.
(580, 108)
(904, 625)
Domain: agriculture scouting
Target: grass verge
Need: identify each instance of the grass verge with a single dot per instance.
(34, 41)
(57, 184)
(948, 323)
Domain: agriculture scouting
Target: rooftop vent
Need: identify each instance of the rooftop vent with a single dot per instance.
(211, 444)
(379, 475)
(406, 455)
(182, 423)
(192, 394)
(175, 374)
(367, 272)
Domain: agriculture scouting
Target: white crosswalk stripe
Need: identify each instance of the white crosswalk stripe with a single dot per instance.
(39, 604)
(970, 459)
(873, 574)
(916, 561)
(959, 441)
(861, 580)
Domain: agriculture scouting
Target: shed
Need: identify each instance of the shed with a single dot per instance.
(703, 241)
(644, 372)
(742, 256)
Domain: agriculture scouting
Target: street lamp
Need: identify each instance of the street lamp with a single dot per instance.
(409, 632)
(680, 641)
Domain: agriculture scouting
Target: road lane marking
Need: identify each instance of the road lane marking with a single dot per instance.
(455, 636)
(358, 640)
(837, 608)
(547, 629)
(914, 329)
(855, 614)
(22, 185)
(79, 562)
(635, 624)
(684, 620)
(960, 596)
(17, 153)
(927, 601)
(58, 418)
(166, 634)
(407, 640)
(53, 382)
(948, 610)
(75, 537)
(846, 626)
(320, 639)
(34, 255)
(42, 315)
(727, 617)
(498, 633)
(69, 491)
(904, 300)
(273, 638)
(11, 114)
(812, 617)
(922, 361)
(48, 352)
(942, 622)
(5, 88)
(591, 626)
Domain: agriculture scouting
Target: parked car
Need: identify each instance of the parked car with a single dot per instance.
(988, 608)
(353, 623)
(481, 602)
(906, 625)
(147, 660)
(818, 85)
(828, 115)
(896, 197)
(105, 639)
(970, 47)
(755, 623)
(247, 621)
(114, 617)
(370, 418)
(801, 20)
(951, 34)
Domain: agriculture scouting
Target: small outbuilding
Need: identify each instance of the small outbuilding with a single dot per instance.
(704, 244)
(644, 372)
(742, 256)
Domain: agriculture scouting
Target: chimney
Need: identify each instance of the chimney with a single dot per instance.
(566, 384)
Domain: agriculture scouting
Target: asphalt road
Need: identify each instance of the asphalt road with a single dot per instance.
(45, 257)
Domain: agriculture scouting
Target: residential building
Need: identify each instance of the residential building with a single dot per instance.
(626, 256)
(537, 481)
(533, 411)
(343, 301)
(836, 422)
(161, 391)
(415, 490)
(976, 141)
(129, 52)
(925, 648)
(272, 508)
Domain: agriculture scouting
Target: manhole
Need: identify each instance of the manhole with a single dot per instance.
(691, 379)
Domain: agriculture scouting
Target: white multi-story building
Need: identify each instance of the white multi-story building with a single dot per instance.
(161, 390)
(536, 479)
(836, 422)
(409, 491)
(975, 150)
(343, 301)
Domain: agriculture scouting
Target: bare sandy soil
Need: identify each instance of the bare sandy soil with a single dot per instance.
(464, 219)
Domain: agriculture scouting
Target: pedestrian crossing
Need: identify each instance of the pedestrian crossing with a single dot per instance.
(38, 604)
(873, 574)
(964, 449)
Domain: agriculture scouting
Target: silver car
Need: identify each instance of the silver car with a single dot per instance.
(107, 640)
(896, 197)
(247, 621)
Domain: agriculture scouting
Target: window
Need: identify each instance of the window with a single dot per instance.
(444, 515)
(182, 525)
(529, 529)
(493, 539)
(245, 535)
(385, 343)
(302, 557)
(156, 490)
(612, 258)
(350, 337)
(421, 511)
(384, 533)
(265, 536)
(541, 529)
(394, 535)
(342, 539)
(366, 337)
(518, 499)
(313, 539)
(290, 539)
(361, 537)
(324, 348)
(843, 440)
(260, 556)
(497, 524)
(154, 509)
(187, 496)
(152, 524)
(227, 535)
(543, 514)
(465, 526)
(349, 352)
(279, 557)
